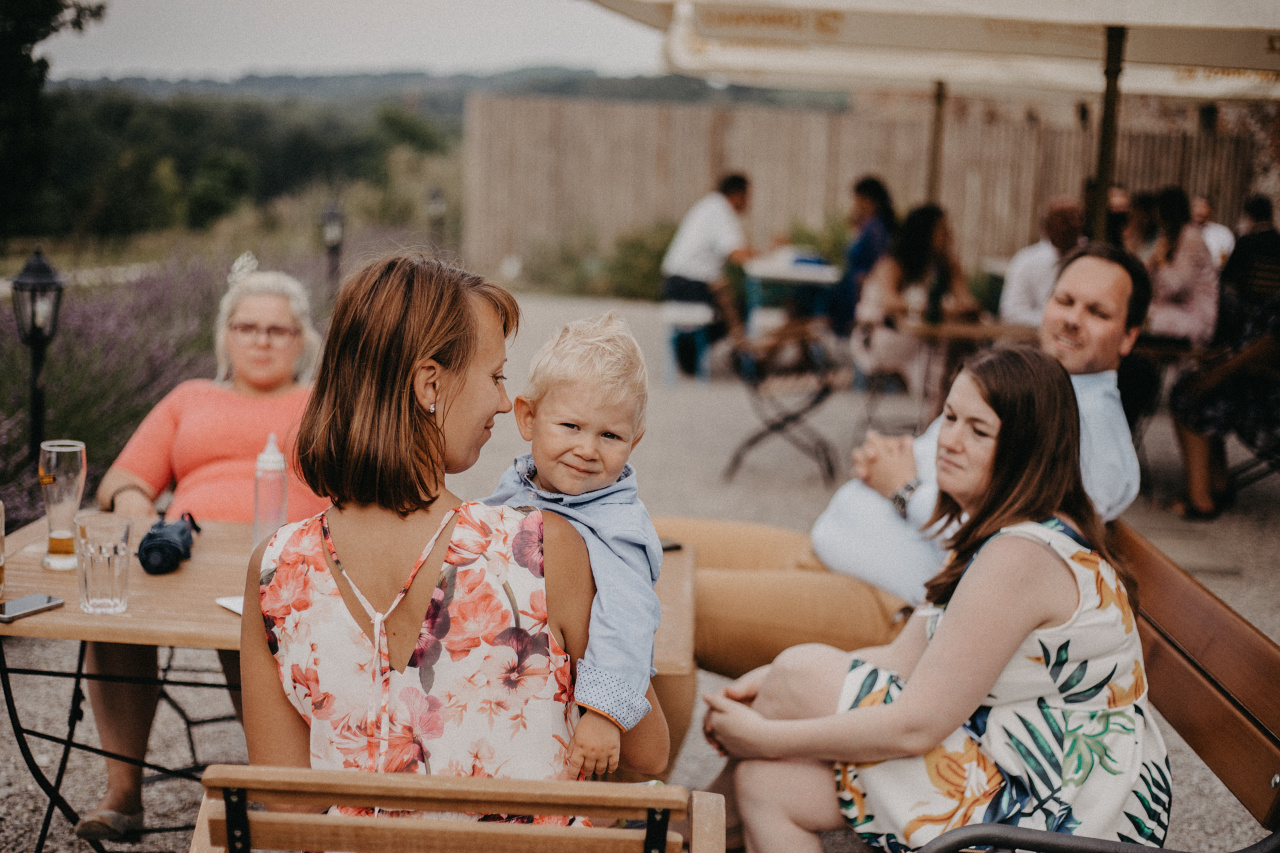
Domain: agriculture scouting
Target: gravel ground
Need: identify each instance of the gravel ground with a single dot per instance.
(691, 429)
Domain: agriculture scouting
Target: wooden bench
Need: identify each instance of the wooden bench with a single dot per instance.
(1214, 677)
(229, 789)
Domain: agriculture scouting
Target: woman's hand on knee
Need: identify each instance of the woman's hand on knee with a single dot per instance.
(735, 729)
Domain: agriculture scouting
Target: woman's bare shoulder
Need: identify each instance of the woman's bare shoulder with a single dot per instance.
(1018, 569)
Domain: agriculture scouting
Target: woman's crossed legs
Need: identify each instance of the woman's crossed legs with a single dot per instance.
(783, 803)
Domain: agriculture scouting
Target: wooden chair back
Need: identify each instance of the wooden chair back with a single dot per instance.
(1213, 676)
(229, 789)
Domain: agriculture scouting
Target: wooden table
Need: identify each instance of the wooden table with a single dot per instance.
(949, 341)
(179, 609)
(954, 331)
(784, 269)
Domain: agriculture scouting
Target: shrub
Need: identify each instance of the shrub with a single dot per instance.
(634, 271)
(576, 267)
(829, 242)
(572, 267)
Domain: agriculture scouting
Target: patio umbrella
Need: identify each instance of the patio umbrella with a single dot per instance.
(1178, 48)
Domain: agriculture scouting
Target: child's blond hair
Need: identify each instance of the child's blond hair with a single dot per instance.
(601, 351)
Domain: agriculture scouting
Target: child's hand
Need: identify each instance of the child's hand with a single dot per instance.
(595, 746)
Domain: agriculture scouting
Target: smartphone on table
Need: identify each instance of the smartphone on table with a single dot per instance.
(28, 605)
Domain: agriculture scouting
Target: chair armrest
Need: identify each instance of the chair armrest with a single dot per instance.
(200, 842)
(706, 822)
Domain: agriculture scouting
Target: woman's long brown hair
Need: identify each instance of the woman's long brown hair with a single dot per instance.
(1035, 473)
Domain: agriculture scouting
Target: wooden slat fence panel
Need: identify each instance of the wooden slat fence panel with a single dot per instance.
(894, 150)
(543, 171)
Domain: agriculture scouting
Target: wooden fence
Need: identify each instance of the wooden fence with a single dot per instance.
(541, 172)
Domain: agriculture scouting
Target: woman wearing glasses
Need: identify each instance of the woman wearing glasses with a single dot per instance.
(202, 439)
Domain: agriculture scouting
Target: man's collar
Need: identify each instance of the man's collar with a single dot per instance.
(1102, 376)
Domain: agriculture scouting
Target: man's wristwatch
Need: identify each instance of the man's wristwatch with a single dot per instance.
(903, 495)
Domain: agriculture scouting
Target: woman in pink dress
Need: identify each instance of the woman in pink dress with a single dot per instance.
(404, 629)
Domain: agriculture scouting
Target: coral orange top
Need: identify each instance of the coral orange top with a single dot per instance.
(205, 438)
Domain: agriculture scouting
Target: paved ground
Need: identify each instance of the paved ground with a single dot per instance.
(692, 428)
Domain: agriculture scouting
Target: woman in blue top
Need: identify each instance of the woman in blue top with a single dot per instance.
(1016, 696)
(875, 221)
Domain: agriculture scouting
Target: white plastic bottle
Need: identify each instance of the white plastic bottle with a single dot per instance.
(270, 496)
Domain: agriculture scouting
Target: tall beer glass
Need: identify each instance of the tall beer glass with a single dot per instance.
(62, 473)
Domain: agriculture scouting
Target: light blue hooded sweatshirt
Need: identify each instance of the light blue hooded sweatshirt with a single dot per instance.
(626, 557)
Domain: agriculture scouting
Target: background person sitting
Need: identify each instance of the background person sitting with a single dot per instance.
(1251, 275)
(1142, 227)
(873, 218)
(1238, 393)
(919, 279)
(868, 555)
(407, 630)
(1217, 236)
(204, 438)
(976, 712)
(1033, 270)
(1184, 280)
(709, 236)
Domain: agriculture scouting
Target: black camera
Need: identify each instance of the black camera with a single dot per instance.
(167, 545)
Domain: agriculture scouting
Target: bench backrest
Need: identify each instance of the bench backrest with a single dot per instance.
(603, 802)
(1213, 676)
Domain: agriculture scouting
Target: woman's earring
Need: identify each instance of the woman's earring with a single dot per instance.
(432, 409)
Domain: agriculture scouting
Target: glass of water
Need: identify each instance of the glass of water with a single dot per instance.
(62, 473)
(102, 561)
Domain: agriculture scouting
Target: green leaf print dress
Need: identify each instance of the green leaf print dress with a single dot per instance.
(1064, 742)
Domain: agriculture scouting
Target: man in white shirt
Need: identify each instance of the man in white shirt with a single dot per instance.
(1033, 270)
(872, 527)
(693, 268)
(760, 591)
(1217, 236)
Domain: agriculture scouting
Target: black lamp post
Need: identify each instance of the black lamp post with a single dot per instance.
(332, 222)
(37, 296)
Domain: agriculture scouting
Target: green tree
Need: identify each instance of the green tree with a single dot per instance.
(24, 121)
(402, 127)
(224, 180)
(139, 192)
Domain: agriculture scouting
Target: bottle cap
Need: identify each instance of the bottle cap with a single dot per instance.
(271, 459)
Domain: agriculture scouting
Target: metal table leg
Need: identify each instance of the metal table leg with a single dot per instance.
(789, 424)
(51, 789)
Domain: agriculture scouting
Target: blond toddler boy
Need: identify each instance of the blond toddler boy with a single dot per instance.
(583, 413)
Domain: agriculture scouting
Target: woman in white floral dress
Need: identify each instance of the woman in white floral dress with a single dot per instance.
(1016, 696)
(412, 631)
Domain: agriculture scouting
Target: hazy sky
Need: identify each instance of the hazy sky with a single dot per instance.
(224, 39)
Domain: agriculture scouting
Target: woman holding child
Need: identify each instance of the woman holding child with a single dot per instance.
(1017, 696)
(412, 631)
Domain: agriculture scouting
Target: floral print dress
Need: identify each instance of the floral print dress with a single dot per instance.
(1065, 741)
(487, 690)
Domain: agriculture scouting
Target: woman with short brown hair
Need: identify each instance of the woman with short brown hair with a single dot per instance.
(465, 667)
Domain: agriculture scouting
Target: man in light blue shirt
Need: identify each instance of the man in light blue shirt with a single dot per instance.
(873, 529)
